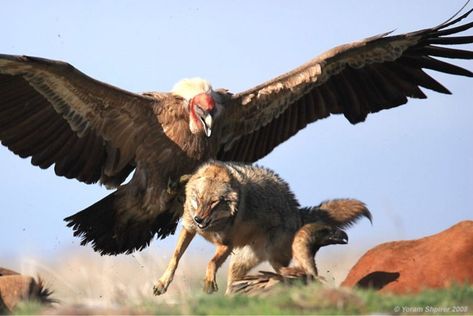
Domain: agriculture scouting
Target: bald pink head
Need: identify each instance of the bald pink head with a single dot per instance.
(201, 111)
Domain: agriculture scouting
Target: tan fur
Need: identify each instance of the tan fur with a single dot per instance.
(251, 213)
(338, 212)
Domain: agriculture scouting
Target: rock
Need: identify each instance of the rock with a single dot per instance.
(4, 272)
(436, 261)
(15, 288)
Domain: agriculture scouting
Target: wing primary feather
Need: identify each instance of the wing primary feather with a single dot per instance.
(82, 155)
(265, 143)
(404, 88)
(330, 96)
(246, 149)
(19, 111)
(241, 148)
(364, 97)
(421, 78)
(388, 89)
(443, 52)
(273, 134)
(342, 93)
(14, 98)
(451, 40)
(287, 118)
(64, 156)
(454, 19)
(435, 64)
(371, 87)
(294, 122)
(73, 158)
(454, 30)
(315, 103)
(353, 107)
(278, 132)
(302, 113)
(90, 170)
(406, 83)
(17, 130)
(112, 161)
(33, 143)
(46, 157)
(6, 80)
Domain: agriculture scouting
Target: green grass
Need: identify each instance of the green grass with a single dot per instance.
(313, 299)
(317, 300)
(28, 308)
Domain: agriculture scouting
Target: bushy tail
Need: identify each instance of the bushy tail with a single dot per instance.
(112, 228)
(341, 213)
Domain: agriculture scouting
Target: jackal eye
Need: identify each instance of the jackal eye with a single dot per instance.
(215, 203)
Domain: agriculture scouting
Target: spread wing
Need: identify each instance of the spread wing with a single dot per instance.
(55, 114)
(355, 79)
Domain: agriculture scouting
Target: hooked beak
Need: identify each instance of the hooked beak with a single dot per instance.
(207, 120)
(337, 236)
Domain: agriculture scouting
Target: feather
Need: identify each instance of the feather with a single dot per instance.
(92, 131)
(452, 40)
(354, 79)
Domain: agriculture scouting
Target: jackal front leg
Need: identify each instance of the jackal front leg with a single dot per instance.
(221, 254)
(184, 240)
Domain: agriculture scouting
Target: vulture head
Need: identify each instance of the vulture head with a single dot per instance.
(200, 101)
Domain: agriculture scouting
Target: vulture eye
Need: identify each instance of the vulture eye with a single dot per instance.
(199, 111)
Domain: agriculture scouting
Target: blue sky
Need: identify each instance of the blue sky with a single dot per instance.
(413, 166)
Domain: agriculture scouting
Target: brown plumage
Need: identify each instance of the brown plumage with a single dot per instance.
(265, 281)
(95, 132)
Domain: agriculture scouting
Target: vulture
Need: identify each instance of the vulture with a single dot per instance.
(95, 132)
(265, 281)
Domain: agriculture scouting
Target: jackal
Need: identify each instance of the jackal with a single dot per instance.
(251, 213)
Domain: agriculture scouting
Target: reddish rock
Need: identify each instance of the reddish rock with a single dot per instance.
(15, 288)
(4, 272)
(410, 266)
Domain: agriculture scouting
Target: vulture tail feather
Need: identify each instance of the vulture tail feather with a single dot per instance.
(111, 230)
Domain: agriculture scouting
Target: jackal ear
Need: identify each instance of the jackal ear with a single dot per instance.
(232, 200)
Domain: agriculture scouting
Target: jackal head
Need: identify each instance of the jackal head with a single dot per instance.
(212, 197)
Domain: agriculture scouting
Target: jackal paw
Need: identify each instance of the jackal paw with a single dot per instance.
(160, 288)
(210, 286)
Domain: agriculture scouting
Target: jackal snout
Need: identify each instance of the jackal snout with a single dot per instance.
(202, 219)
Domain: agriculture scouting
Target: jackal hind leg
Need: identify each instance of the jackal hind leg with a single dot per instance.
(241, 262)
